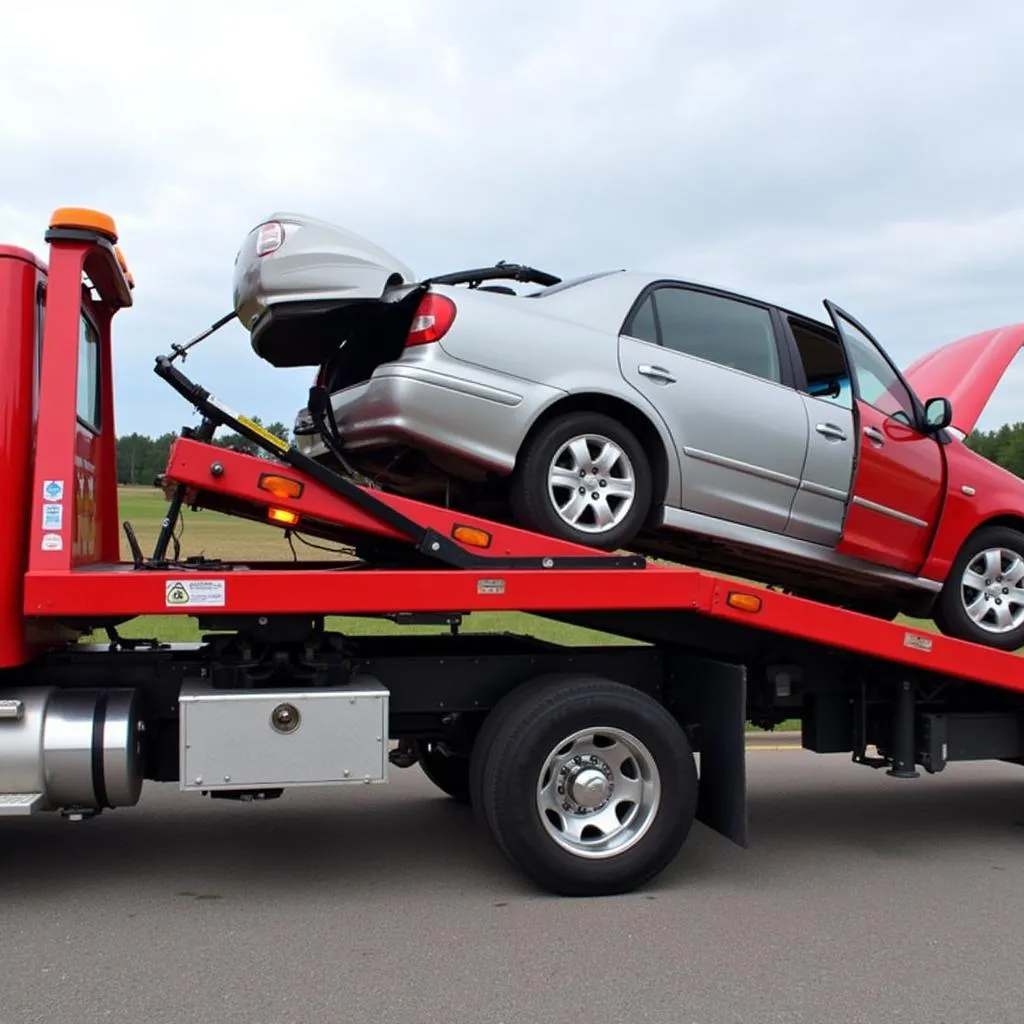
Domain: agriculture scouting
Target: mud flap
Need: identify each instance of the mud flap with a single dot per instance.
(711, 696)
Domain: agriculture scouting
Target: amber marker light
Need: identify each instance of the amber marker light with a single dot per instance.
(123, 264)
(472, 536)
(743, 602)
(282, 516)
(81, 219)
(280, 486)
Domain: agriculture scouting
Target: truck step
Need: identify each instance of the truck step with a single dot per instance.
(19, 804)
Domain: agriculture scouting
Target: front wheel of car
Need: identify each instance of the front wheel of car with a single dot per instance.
(583, 477)
(983, 597)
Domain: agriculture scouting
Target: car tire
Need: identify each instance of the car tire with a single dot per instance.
(544, 494)
(649, 807)
(450, 773)
(985, 581)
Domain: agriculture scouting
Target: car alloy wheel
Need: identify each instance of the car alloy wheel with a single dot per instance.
(591, 483)
(982, 599)
(992, 590)
(583, 477)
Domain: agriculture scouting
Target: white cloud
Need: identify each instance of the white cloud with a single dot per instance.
(866, 151)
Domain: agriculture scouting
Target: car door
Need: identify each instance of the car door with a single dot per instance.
(710, 364)
(823, 495)
(899, 479)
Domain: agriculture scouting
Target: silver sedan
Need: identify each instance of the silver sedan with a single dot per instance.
(621, 409)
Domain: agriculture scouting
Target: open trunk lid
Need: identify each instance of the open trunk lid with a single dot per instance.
(301, 285)
(966, 372)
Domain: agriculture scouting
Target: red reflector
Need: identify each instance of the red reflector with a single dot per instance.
(434, 317)
(269, 238)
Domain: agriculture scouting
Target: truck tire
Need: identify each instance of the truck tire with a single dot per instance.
(552, 476)
(982, 599)
(449, 772)
(588, 786)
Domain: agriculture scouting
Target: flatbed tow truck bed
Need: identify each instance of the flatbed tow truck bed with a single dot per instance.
(580, 761)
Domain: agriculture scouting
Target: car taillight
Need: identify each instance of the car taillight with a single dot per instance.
(434, 317)
(269, 238)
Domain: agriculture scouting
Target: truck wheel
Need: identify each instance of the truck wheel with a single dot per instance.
(588, 786)
(449, 772)
(983, 596)
(584, 478)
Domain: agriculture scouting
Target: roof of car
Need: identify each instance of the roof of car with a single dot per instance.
(641, 279)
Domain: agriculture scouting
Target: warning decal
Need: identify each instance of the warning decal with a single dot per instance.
(916, 641)
(194, 593)
(272, 439)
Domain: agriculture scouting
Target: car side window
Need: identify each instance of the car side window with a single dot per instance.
(876, 380)
(642, 325)
(824, 363)
(732, 333)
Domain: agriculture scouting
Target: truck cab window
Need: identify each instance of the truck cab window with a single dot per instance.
(88, 374)
(824, 363)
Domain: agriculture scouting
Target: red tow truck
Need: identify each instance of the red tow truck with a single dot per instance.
(582, 763)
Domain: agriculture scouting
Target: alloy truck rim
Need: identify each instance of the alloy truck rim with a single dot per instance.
(598, 792)
(992, 590)
(591, 483)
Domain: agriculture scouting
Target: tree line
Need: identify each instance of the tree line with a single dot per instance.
(1003, 446)
(141, 459)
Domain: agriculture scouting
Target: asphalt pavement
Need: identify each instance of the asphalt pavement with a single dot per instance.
(862, 898)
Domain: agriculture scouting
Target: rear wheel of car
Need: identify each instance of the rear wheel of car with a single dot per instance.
(983, 597)
(583, 477)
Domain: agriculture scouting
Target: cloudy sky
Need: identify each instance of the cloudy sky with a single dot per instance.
(870, 152)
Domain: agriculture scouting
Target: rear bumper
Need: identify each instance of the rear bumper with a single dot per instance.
(472, 419)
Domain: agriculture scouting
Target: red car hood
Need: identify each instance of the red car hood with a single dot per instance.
(966, 372)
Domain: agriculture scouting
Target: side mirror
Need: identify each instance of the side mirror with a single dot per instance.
(938, 414)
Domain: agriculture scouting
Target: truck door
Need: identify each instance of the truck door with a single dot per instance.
(899, 476)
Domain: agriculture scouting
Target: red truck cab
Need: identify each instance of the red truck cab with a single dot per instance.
(60, 523)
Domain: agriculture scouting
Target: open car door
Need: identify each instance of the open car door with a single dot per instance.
(899, 469)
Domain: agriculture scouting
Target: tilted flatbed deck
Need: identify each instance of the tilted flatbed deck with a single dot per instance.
(498, 584)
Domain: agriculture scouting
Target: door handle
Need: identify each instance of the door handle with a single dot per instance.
(656, 373)
(875, 435)
(831, 431)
